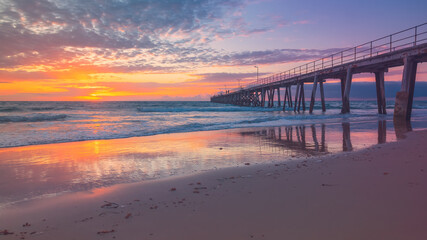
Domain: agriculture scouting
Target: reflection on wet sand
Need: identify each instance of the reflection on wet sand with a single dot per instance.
(31, 171)
(382, 131)
(295, 137)
(346, 141)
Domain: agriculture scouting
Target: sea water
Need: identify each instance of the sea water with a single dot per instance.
(31, 123)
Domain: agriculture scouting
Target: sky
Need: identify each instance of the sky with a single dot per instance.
(71, 50)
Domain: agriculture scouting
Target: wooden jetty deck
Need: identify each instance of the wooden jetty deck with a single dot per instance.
(405, 48)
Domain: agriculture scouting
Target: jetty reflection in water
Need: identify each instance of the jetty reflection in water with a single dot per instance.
(32, 171)
(318, 139)
(292, 138)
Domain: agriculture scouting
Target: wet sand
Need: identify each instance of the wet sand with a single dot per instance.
(375, 193)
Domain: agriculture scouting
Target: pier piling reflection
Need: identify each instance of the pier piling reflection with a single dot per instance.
(312, 139)
(346, 141)
(382, 131)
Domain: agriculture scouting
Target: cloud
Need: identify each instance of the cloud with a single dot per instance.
(200, 97)
(50, 31)
(23, 75)
(128, 35)
(222, 77)
(272, 56)
(137, 87)
(301, 22)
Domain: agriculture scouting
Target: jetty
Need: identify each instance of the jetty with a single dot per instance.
(406, 48)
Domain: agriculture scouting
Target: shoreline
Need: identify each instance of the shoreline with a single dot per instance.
(373, 193)
(260, 126)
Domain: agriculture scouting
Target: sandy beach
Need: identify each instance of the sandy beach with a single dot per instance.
(374, 193)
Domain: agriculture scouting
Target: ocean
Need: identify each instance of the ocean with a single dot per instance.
(33, 123)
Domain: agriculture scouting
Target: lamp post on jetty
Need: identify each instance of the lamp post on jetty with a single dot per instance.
(257, 69)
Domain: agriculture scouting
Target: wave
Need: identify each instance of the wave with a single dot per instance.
(207, 109)
(174, 108)
(9, 109)
(42, 108)
(32, 118)
(33, 109)
(420, 105)
(50, 108)
(187, 127)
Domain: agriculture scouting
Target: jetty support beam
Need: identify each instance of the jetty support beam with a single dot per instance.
(296, 97)
(346, 93)
(404, 98)
(285, 98)
(379, 80)
(271, 98)
(303, 97)
(313, 94)
(263, 97)
(322, 96)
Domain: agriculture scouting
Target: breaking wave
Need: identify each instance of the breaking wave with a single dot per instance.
(32, 118)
